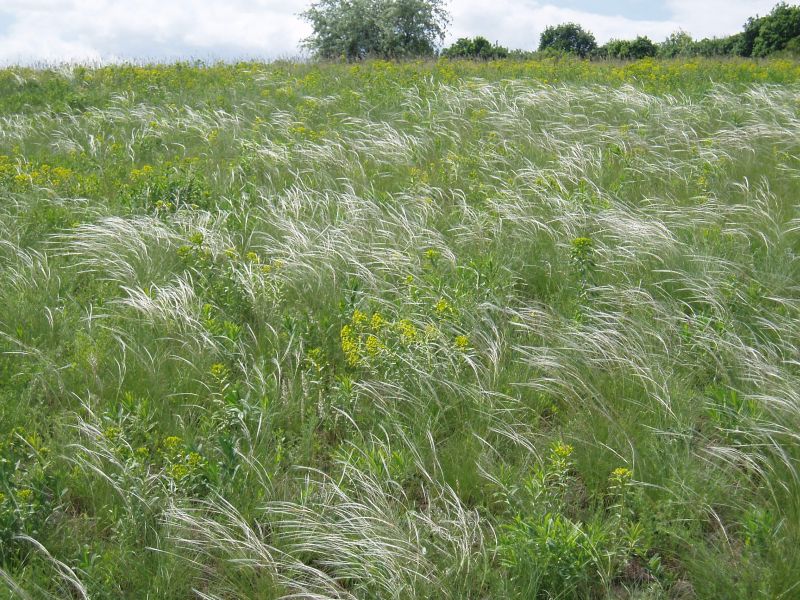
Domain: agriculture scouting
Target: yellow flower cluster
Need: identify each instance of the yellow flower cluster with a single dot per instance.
(350, 348)
(172, 443)
(374, 345)
(368, 336)
(218, 371)
(181, 465)
(407, 330)
(143, 173)
(443, 306)
(25, 174)
(562, 450)
(25, 495)
(377, 322)
(315, 358)
(112, 433)
(621, 474)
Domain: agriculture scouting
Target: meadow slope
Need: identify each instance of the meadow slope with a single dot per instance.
(421, 330)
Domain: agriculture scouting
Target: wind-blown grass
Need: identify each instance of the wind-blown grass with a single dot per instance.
(448, 330)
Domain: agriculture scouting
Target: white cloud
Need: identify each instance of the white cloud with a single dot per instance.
(709, 18)
(65, 30)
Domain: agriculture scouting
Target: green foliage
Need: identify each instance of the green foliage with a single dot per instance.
(641, 47)
(550, 555)
(164, 189)
(776, 30)
(476, 48)
(549, 552)
(570, 38)
(677, 44)
(793, 46)
(357, 29)
(746, 43)
(26, 492)
(717, 47)
(770, 34)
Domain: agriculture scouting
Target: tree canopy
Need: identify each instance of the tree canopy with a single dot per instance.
(779, 31)
(776, 30)
(641, 47)
(570, 38)
(357, 29)
(478, 47)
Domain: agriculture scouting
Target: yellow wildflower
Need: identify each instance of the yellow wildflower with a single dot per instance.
(218, 371)
(178, 471)
(172, 443)
(112, 433)
(621, 474)
(374, 345)
(442, 306)
(408, 332)
(377, 322)
(194, 460)
(350, 346)
(461, 342)
(562, 450)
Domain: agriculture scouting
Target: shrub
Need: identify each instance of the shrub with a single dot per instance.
(641, 47)
(678, 43)
(477, 48)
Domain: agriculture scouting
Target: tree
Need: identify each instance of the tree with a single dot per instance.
(641, 47)
(357, 29)
(793, 47)
(570, 38)
(716, 47)
(744, 45)
(777, 30)
(678, 43)
(475, 48)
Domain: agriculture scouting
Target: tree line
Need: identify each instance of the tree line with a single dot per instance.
(396, 29)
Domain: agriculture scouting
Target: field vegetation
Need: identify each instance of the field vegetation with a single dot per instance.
(516, 329)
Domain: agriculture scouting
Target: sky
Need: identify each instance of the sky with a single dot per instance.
(92, 31)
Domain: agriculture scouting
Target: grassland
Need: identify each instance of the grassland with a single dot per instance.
(420, 330)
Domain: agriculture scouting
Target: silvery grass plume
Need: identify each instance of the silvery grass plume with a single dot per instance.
(347, 536)
(66, 579)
